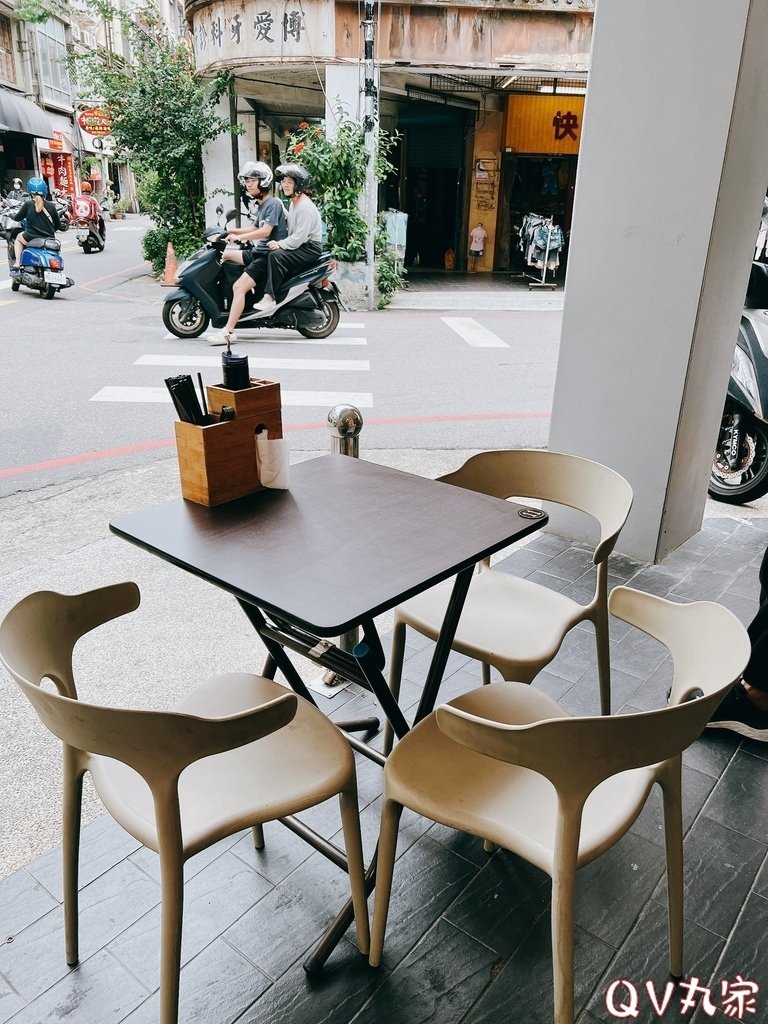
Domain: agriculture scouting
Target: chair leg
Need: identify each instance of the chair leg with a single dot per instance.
(70, 850)
(258, 837)
(385, 866)
(171, 914)
(486, 672)
(563, 890)
(396, 657)
(602, 641)
(673, 838)
(350, 821)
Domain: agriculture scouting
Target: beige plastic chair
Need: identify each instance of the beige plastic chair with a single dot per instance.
(239, 751)
(505, 762)
(511, 623)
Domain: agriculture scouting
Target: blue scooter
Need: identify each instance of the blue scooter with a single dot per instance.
(41, 265)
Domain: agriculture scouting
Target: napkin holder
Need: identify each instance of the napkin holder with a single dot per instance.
(217, 462)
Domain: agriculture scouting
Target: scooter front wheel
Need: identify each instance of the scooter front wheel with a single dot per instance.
(185, 322)
(330, 309)
(749, 480)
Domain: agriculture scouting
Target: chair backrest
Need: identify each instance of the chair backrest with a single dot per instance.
(552, 476)
(156, 744)
(710, 648)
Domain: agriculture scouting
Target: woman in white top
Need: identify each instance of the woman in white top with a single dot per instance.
(303, 246)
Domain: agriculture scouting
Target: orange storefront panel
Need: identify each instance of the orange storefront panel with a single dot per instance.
(544, 124)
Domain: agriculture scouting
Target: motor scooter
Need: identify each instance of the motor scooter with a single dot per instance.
(41, 265)
(62, 201)
(90, 230)
(202, 297)
(740, 467)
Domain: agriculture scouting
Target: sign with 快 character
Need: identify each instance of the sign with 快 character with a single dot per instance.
(228, 32)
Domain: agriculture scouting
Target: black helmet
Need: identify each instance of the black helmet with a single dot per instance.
(299, 174)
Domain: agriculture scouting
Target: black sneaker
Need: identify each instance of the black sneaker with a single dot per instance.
(739, 714)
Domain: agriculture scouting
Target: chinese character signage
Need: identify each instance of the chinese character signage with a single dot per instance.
(544, 124)
(95, 121)
(263, 31)
(63, 172)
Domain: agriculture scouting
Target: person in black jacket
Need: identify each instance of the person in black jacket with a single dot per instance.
(39, 216)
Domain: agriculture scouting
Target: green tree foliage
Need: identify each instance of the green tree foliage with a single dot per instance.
(162, 116)
(337, 168)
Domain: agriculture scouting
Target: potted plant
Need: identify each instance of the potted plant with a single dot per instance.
(120, 208)
(337, 168)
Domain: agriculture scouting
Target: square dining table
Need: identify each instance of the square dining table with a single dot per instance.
(348, 541)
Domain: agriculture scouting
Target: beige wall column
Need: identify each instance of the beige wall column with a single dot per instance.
(672, 171)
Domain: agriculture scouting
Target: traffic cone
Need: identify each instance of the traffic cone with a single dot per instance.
(169, 274)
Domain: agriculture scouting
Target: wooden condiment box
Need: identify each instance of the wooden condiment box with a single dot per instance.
(217, 462)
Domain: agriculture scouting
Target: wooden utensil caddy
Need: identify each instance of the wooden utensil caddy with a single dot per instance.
(217, 462)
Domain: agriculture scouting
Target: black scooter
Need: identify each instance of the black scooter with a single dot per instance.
(204, 290)
(740, 467)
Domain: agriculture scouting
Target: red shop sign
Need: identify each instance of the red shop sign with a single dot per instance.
(64, 173)
(95, 121)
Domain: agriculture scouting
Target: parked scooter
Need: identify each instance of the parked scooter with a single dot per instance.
(62, 202)
(740, 468)
(90, 231)
(311, 306)
(42, 265)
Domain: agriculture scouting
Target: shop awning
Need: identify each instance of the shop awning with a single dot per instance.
(18, 114)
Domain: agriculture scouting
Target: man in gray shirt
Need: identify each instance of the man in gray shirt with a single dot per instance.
(302, 247)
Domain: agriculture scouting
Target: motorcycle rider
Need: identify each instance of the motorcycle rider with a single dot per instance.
(87, 208)
(16, 194)
(269, 222)
(40, 218)
(302, 247)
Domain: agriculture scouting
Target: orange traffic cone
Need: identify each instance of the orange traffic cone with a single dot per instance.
(169, 274)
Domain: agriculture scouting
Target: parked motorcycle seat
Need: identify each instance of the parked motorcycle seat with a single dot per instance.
(51, 244)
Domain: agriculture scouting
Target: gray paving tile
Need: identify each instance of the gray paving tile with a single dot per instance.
(217, 987)
(696, 789)
(149, 861)
(702, 585)
(288, 920)
(576, 656)
(10, 1001)
(214, 899)
(439, 980)
(282, 853)
(720, 866)
(570, 564)
(103, 844)
(638, 654)
(645, 957)
(744, 955)
(334, 997)
(522, 562)
(110, 904)
(100, 991)
(740, 799)
(523, 989)
(549, 581)
(22, 901)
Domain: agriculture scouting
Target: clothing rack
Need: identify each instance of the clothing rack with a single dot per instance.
(543, 283)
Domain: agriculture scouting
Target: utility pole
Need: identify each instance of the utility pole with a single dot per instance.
(371, 131)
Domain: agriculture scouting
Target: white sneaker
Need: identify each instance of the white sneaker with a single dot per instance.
(266, 304)
(220, 337)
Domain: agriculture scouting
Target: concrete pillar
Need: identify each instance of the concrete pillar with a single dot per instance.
(672, 172)
(342, 88)
(217, 159)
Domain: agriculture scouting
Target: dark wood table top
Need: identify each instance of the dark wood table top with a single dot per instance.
(349, 540)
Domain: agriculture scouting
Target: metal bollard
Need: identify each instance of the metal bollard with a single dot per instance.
(344, 424)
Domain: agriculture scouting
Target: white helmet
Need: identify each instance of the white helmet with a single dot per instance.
(256, 169)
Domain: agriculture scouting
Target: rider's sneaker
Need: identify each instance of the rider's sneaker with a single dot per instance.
(220, 337)
(738, 714)
(15, 271)
(266, 304)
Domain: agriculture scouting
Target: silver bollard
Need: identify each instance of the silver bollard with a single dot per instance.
(344, 424)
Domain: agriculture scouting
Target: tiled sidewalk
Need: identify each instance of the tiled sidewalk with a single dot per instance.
(469, 934)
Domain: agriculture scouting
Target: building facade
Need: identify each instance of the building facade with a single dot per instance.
(487, 98)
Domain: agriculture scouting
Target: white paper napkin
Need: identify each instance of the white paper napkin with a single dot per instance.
(272, 459)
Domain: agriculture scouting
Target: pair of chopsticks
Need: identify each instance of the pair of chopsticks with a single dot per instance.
(182, 392)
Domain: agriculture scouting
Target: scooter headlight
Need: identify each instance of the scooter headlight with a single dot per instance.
(743, 372)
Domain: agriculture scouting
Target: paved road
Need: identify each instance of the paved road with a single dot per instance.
(88, 370)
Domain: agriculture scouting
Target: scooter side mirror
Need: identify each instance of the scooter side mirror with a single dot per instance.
(231, 215)
(219, 210)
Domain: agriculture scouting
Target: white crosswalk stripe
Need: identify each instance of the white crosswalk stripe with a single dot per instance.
(355, 365)
(128, 227)
(363, 400)
(473, 333)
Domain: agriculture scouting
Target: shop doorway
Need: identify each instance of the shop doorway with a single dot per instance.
(434, 162)
(542, 185)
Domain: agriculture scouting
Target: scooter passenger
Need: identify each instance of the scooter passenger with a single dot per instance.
(16, 194)
(270, 222)
(40, 218)
(303, 246)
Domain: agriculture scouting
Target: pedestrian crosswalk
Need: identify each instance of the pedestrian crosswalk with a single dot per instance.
(325, 371)
(473, 333)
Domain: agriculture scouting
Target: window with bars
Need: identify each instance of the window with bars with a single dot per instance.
(7, 62)
(52, 46)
